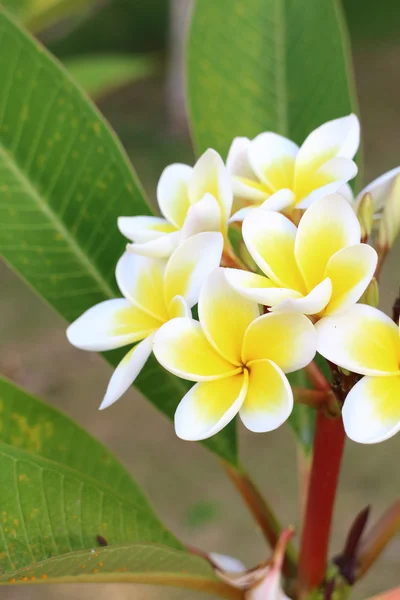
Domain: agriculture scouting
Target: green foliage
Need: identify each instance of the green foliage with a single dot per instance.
(31, 425)
(64, 180)
(257, 65)
(41, 14)
(100, 74)
(130, 563)
(369, 20)
(60, 489)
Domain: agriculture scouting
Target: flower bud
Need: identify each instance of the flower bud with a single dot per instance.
(371, 294)
(365, 213)
(389, 226)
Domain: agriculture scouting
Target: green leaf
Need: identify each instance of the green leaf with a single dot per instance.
(42, 14)
(64, 180)
(48, 509)
(130, 563)
(257, 65)
(35, 427)
(100, 74)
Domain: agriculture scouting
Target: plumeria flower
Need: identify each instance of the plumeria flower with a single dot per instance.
(238, 360)
(318, 268)
(154, 291)
(264, 582)
(380, 190)
(191, 200)
(271, 162)
(364, 340)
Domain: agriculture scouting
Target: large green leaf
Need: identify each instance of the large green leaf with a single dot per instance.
(41, 14)
(100, 74)
(257, 65)
(130, 563)
(31, 425)
(64, 180)
(48, 509)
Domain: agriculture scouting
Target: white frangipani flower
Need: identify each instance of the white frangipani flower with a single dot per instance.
(318, 268)
(191, 200)
(270, 163)
(261, 583)
(154, 291)
(365, 341)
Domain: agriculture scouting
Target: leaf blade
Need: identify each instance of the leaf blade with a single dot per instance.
(252, 78)
(64, 180)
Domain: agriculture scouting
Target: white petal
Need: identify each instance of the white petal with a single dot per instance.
(258, 288)
(371, 412)
(111, 324)
(141, 280)
(204, 215)
(190, 265)
(211, 177)
(241, 214)
(361, 339)
(319, 193)
(250, 189)
(341, 137)
(271, 157)
(346, 192)
(178, 307)
(161, 247)
(172, 193)
(143, 229)
(380, 189)
(279, 201)
(269, 398)
(237, 162)
(209, 406)
(223, 562)
(127, 371)
(311, 304)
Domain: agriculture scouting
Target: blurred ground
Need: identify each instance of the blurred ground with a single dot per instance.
(184, 482)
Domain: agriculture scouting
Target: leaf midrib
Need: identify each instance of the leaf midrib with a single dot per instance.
(46, 209)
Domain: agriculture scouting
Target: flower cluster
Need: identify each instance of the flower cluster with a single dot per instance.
(261, 316)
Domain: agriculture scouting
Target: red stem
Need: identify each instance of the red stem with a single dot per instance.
(328, 450)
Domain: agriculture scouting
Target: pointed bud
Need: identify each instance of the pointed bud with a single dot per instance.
(371, 294)
(365, 214)
(389, 226)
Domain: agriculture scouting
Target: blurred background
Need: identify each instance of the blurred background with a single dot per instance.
(127, 54)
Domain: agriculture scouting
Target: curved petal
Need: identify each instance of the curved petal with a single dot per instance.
(182, 348)
(205, 215)
(258, 288)
(327, 179)
(111, 324)
(326, 227)
(162, 247)
(272, 158)
(371, 412)
(172, 193)
(144, 229)
(190, 265)
(340, 137)
(211, 177)
(288, 339)
(311, 304)
(141, 280)
(279, 200)
(127, 371)
(270, 239)
(209, 406)
(250, 189)
(380, 189)
(178, 307)
(346, 192)
(361, 339)
(350, 271)
(269, 398)
(241, 214)
(237, 162)
(225, 315)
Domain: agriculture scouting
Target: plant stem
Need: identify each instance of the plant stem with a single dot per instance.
(328, 450)
(263, 514)
(316, 377)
